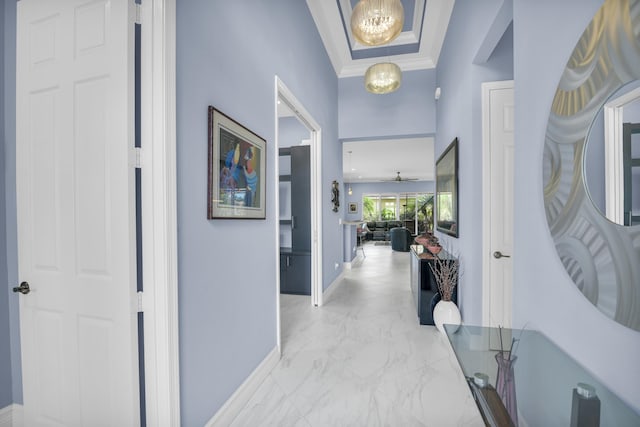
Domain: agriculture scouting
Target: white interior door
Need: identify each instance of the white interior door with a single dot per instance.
(498, 146)
(76, 217)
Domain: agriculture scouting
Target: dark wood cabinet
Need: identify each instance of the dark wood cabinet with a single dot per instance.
(295, 272)
(295, 261)
(423, 285)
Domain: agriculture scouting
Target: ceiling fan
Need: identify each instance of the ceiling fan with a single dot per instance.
(398, 178)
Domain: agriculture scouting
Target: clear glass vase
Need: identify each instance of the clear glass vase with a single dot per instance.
(506, 385)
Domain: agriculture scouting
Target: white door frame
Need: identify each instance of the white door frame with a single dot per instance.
(159, 217)
(281, 91)
(613, 155)
(158, 161)
(487, 87)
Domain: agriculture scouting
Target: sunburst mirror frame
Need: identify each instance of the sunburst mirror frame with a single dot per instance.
(601, 257)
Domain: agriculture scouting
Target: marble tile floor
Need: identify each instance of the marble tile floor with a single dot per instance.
(362, 359)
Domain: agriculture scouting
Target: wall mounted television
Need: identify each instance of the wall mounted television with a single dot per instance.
(447, 191)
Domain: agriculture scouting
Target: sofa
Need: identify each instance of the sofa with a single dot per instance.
(379, 230)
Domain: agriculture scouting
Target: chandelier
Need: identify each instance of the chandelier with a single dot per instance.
(377, 22)
(381, 78)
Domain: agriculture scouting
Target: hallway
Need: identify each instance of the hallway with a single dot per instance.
(362, 359)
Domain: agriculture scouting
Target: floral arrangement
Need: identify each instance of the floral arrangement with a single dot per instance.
(445, 272)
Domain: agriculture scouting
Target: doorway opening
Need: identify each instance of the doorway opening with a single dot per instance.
(287, 105)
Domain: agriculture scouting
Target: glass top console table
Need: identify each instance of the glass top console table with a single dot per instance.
(521, 378)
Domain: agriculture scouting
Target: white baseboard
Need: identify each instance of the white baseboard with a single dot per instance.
(232, 407)
(6, 416)
(326, 295)
(11, 416)
(356, 261)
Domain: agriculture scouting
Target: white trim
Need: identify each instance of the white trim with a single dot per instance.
(357, 260)
(12, 416)
(232, 407)
(277, 216)
(6, 416)
(316, 216)
(405, 37)
(613, 173)
(486, 202)
(281, 91)
(336, 284)
(159, 207)
(328, 20)
(487, 87)
(613, 155)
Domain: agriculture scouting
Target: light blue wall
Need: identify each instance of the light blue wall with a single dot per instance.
(6, 397)
(460, 115)
(544, 297)
(228, 57)
(9, 169)
(411, 110)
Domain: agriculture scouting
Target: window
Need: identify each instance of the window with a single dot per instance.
(424, 209)
(388, 208)
(370, 208)
(415, 210)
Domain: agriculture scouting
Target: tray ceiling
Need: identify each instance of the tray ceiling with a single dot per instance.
(417, 47)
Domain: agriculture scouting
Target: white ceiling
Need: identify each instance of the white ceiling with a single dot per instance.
(381, 160)
(417, 47)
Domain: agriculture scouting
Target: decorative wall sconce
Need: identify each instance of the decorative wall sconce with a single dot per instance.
(335, 195)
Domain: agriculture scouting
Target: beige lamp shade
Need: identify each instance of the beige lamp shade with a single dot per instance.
(384, 77)
(377, 22)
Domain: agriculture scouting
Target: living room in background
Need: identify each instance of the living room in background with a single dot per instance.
(411, 210)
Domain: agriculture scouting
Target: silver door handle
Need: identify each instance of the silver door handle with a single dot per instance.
(23, 288)
(498, 255)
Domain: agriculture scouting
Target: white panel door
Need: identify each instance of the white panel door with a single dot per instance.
(499, 117)
(76, 217)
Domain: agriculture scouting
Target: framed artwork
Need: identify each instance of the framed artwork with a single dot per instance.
(237, 163)
(353, 207)
(447, 190)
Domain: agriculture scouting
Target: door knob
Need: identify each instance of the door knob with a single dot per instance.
(498, 255)
(23, 288)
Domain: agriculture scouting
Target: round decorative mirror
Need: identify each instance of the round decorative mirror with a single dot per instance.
(601, 255)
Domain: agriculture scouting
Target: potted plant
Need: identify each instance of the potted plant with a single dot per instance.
(445, 271)
(433, 245)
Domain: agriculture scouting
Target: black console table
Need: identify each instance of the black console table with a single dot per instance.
(423, 284)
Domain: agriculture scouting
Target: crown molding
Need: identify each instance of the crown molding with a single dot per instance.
(328, 20)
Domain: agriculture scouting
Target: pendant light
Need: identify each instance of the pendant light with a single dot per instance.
(384, 77)
(350, 191)
(377, 22)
